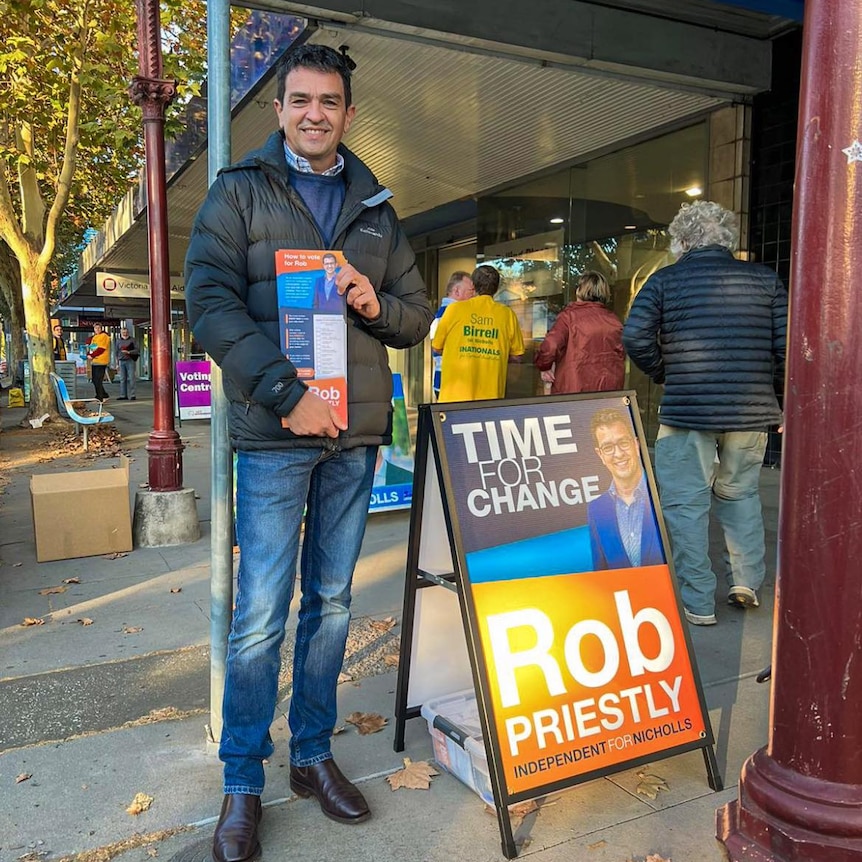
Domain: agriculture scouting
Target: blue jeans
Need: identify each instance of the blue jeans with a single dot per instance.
(127, 378)
(690, 480)
(273, 487)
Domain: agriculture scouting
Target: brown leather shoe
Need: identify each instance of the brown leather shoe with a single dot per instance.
(235, 838)
(339, 799)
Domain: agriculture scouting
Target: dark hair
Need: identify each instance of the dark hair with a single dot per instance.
(486, 280)
(329, 256)
(319, 57)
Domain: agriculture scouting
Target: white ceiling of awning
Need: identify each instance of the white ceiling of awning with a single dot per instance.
(438, 124)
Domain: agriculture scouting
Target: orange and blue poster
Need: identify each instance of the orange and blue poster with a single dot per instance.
(313, 325)
(585, 664)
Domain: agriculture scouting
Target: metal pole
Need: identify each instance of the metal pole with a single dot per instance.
(800, 798)
(221, 538)
(153, 94)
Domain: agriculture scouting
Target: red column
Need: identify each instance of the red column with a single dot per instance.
(153, 94)
(800, 798)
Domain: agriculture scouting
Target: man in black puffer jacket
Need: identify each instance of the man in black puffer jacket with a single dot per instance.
(713, 330)
(302, 190)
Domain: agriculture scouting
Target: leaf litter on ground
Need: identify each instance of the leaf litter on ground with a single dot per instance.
(650, 784)
(413, 776)
(367, 722)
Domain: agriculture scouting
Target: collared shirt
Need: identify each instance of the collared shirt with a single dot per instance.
(303, 166)
(630, 519)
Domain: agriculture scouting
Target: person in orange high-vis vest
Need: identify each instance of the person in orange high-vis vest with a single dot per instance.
(99, 353)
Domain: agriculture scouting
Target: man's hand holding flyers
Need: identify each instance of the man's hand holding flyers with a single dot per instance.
(314, 417)
(359, 292)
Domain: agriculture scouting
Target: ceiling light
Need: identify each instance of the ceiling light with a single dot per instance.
(630, 227)
(557, 220)
(694, 191)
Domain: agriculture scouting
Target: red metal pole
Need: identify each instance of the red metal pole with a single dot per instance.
(800, 798)
(153, 94)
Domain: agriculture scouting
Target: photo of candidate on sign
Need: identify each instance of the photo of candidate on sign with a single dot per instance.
(584, 657)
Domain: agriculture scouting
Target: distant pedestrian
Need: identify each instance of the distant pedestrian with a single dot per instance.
(59, 346)
(459, 286)
(478, 338)
(713, 330)
(99, 354)
(128, 353)
(583, 352)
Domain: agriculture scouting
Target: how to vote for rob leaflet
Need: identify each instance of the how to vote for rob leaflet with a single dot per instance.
(528, 584)
(313, 323)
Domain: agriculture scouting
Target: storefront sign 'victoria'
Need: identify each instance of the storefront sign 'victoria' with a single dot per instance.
(134, 284)
(585, 657)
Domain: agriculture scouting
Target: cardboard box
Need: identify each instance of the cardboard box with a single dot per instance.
(456, 736)
(82, 514)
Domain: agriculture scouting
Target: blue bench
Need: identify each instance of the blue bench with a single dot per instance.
(67, 408)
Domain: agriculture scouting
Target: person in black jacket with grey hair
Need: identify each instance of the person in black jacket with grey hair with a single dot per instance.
(713, 330)
(128, 353)
(301, 190)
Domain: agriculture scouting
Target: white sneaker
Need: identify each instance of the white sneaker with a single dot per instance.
(742, 597)
(700, 619)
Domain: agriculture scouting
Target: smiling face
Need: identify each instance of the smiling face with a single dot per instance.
(314, 115)
(619, 453)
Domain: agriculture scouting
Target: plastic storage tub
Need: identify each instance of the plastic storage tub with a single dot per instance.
(453, 722)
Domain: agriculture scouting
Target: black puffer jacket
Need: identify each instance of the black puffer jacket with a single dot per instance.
(713, 330)
(250, 213)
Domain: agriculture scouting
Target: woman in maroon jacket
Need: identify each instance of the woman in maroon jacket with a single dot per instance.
(583, 352)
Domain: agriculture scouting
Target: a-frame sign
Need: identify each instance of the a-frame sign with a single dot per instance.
(539, 518)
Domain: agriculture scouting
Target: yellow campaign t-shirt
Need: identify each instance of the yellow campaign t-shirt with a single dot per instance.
(476, 337)
(102, 340)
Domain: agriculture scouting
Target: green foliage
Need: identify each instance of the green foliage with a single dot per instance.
(43, 44)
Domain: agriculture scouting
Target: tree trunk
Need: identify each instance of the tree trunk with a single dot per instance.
(16, 317)
(10, 286)
(39, 339)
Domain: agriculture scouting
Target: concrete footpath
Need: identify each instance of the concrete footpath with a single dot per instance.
(91, 715)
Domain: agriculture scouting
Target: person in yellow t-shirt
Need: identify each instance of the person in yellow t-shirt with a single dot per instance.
(478, 338)
(99, 353)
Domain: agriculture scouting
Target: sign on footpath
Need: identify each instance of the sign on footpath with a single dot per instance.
(538, 575)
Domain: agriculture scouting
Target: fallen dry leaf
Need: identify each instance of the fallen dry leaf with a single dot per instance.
(340, 729)
(24, 776)
(366, 722)
(50, 591)
(391, 660)
(344, 677)
(414, 776)
(383, 625)
(650, 784)
(132, 630)
(176, 589)
(152, 852)
(84, 621)
(71, 580)
(596, 845)
(522, 809)
(140, 803)
(654, 857)
(517, 809)
(17, 565)
(116, 556)
(32, 621)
